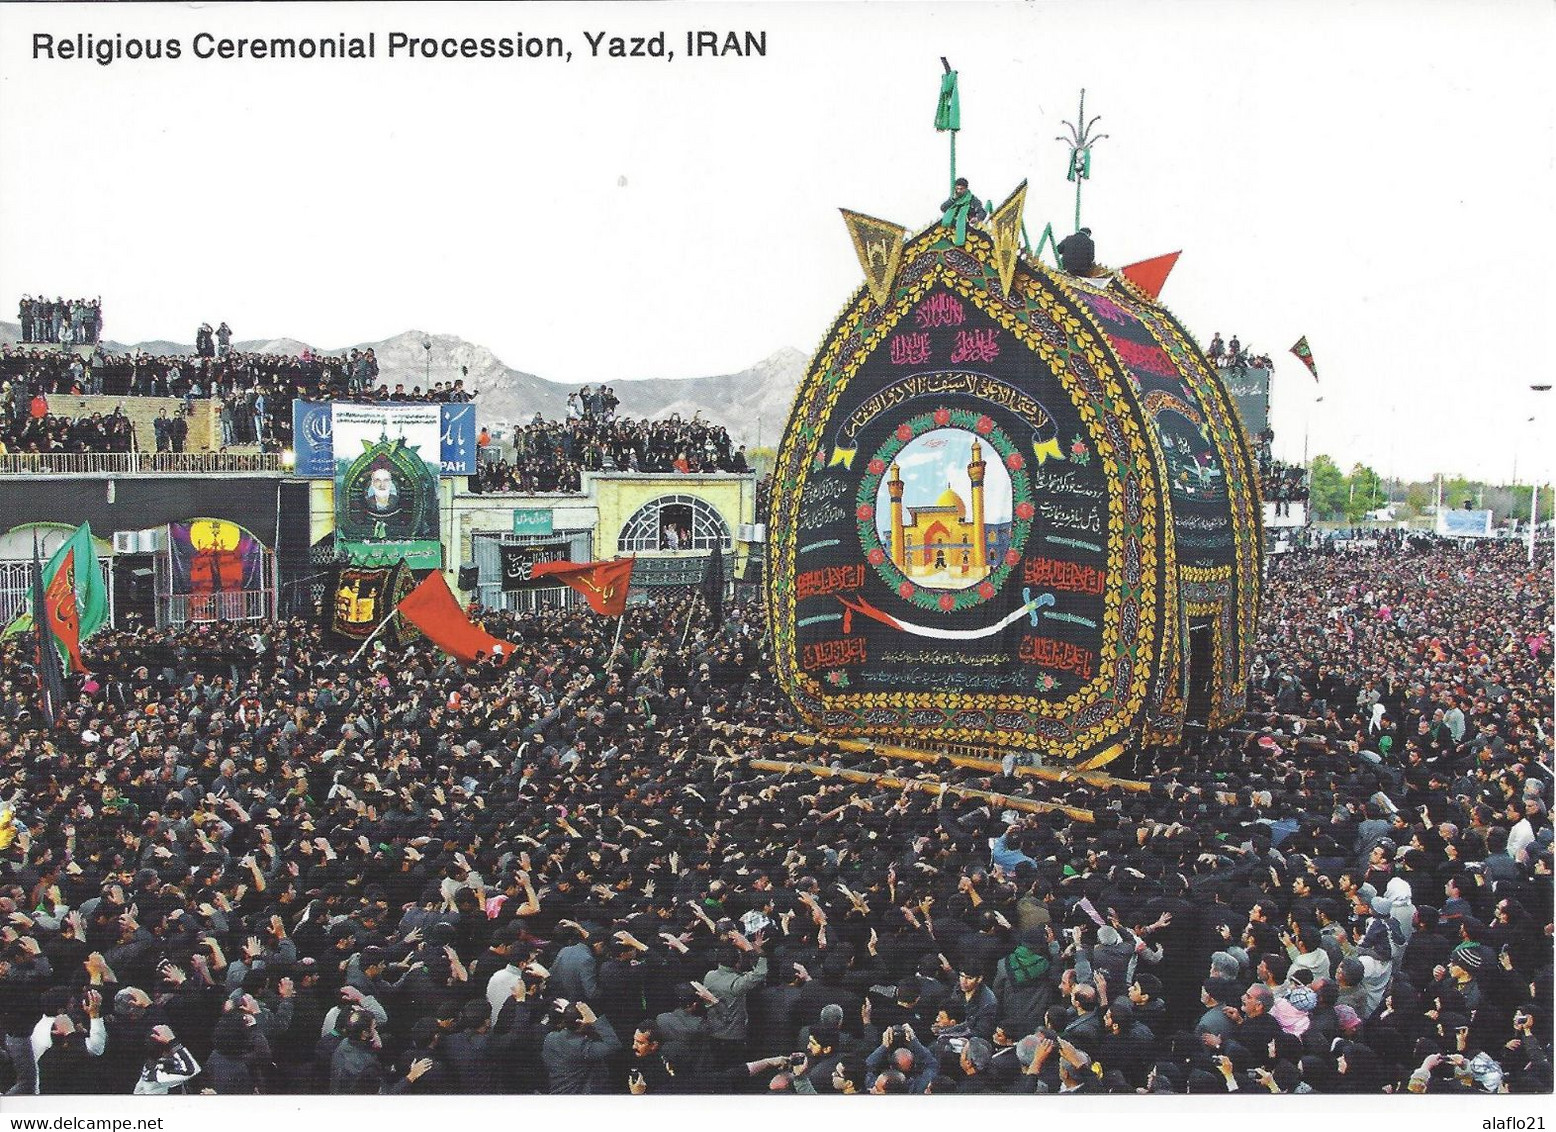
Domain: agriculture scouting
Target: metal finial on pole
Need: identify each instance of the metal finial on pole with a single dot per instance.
(1080, 142)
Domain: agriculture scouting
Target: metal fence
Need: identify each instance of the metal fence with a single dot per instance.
(486, 552)
(243, 605)
(180, 609)
(16, 582)
(136, 463)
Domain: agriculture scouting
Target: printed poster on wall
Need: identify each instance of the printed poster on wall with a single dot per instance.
(386, 483)
(214, 556)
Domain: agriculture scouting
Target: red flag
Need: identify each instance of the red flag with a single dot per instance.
(59, 602)
(1151, 274)
(603, 584)
(432, 608)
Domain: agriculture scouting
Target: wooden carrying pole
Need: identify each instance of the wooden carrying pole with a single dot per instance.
(966, 762)
(893, 782)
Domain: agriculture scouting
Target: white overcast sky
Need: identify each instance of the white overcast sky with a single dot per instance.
(1377, 175)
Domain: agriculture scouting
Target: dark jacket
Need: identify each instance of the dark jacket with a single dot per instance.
(355, 1069)
(575, 1060)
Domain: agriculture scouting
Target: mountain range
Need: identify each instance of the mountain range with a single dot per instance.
(752, 404)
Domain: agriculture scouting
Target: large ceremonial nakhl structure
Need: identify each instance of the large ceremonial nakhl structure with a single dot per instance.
(1014, 508)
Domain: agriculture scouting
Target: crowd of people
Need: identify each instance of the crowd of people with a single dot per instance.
(1234, 355)
(213, 343)
(67, 322)
(187, 375)
(244, 863)
(593, 403)
(255, 391)
(551, 456)
(28, 425)
(1282, 484)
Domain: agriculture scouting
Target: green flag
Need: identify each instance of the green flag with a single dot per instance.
(91, 596)
(948, 112)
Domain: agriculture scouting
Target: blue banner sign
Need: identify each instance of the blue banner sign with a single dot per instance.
(314, 441)
(457, 435)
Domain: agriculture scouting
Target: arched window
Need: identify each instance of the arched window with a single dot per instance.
(674, 522)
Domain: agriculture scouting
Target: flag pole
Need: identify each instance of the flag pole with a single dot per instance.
(616, 644)
(690, 613)
(40, 629)
(357, 655)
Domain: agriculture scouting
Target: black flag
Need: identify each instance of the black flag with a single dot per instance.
(519, 561)
(713, 585)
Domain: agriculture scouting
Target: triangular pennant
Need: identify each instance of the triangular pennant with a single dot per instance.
(879, 246)
(1306, 355)
(1046, 239)
(1150, 274)
(1006, 224)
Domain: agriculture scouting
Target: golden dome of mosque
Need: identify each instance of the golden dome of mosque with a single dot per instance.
(949, 498)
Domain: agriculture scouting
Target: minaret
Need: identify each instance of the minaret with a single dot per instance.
(980, 549)
(894, 487)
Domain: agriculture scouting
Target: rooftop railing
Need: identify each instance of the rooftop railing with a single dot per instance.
(137, 463)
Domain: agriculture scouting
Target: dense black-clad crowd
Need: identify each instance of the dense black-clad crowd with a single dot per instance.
(244, 864)
(552, 456)
(64, 321)
(180, 375)
(1234, 355)
(27, 425)
(217, 374)
(255, 390)
(1282, 484)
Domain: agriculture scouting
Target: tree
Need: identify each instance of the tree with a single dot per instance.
(1327, 488)
(1458, 489)
(761, 460)
(1364, 492)
(1519, 503)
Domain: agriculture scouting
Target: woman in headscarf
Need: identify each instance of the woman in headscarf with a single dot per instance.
(1360, 1070)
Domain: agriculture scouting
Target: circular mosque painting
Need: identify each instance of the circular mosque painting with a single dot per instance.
(944, 508)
